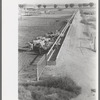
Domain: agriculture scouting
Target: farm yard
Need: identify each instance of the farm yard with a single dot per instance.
(74, 75)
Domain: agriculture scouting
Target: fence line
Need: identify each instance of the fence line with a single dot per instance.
(40, 66)
(61, 34)
(44, 60)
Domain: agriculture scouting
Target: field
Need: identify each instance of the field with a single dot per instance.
(50, 88)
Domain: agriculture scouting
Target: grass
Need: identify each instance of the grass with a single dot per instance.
(24, 94)
(88, 20)
(63, 83)
(51, 88)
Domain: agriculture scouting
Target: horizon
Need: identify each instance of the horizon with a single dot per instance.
(50, 2)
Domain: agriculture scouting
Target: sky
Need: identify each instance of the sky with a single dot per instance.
(54, 1)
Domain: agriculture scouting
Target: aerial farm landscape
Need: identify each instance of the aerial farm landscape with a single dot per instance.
(57, 52)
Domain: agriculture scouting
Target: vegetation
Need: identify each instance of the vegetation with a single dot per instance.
(66, 5)
(44, 6)
(64, 83)
(52, 88)
(92, 19)
(39, 5)
(88, 21)
(91, 4)
(85, 4)
(24, 94)
(84, 21)
(60, 9)
(87, 12)
(71, 5)
(80, 5)
(21, 5)
(55, 5)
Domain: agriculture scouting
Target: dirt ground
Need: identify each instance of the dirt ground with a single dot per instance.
(77, 60)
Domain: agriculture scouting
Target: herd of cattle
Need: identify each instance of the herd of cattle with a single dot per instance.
(42, 44)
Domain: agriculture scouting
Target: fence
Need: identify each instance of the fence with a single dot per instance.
(41, 65)
(52, 49)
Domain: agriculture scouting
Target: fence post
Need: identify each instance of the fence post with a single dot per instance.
(94, 43)
(46, 58)
(37, 74)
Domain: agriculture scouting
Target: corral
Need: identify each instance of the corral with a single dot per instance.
(31, 27)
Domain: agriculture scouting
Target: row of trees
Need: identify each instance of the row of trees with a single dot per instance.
(69, 5)
(55, 5)
(66, 5)
(86, 4)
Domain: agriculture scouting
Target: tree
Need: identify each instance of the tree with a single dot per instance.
(85, 4)
(71, 5)
(66, 5)
(21, 5)
(44, 6)
(80, 5)
(91, 4)
(39, 5)
(55, 5)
